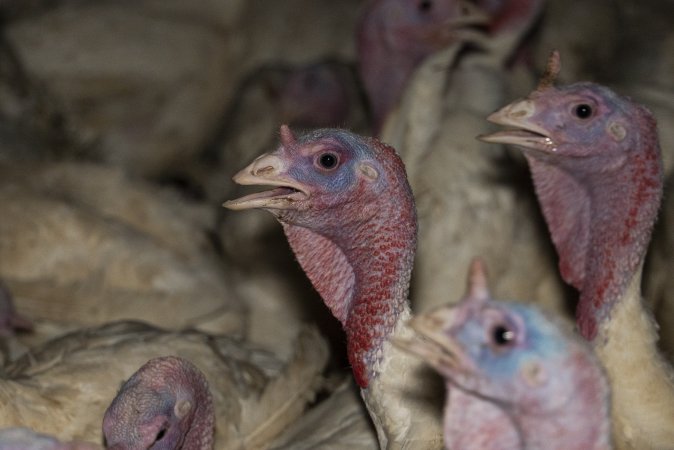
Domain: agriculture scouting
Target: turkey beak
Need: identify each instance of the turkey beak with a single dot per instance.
(268, 170)
(523, 132)
(435, 344)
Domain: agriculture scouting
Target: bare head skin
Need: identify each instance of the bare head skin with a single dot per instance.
(347, 210)
(166, 404)
(516, 377)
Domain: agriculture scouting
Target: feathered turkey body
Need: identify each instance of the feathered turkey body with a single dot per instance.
(82, 244)
(458, 184)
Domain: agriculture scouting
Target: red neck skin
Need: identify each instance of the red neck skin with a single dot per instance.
(601, 222)
(360, 263)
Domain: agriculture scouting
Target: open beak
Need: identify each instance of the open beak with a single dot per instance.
(434, 345)
(523, 131)
(268, 170)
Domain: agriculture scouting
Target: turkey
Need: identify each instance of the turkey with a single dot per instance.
(596, 165)
(516, 376)
(166, 403)
(63, 387)
(348, 213)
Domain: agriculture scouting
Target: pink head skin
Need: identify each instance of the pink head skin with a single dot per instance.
(348, 213)
(595, 161)
(10, 320)
(165, 405)
(315, 96)
(516, 378)
(394, 37)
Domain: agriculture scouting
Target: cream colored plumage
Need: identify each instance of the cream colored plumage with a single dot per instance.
(464, 204)
(82, 244)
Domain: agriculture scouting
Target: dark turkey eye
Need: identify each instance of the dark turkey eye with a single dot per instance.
(328, 160)
(425, 5)
(583, 111)
(502, 335)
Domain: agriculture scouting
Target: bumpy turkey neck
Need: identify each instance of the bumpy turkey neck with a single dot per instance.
(610, 214)
(362, 270)
(619, 238)
(382, 270)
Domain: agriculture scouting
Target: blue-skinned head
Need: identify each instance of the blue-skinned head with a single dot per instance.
(507, 353)
(327, 178)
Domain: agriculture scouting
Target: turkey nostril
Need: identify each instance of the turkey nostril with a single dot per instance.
(522, 110)
(263, 171)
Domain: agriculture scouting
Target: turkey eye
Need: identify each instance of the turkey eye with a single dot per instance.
(502, 335)
(328, 160)
(425, 5)
(583, 111)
